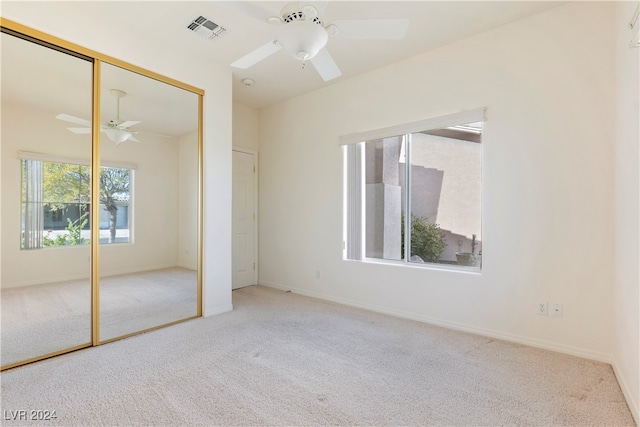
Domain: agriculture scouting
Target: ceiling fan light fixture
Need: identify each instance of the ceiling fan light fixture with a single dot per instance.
(118, 135)
(302, 39)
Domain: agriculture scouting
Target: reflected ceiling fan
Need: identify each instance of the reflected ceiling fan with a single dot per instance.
(116, 130)
(304, 35)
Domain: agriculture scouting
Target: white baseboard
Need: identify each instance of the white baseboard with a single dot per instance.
(533, 342)
(70, 278)
(143, 269)
(86, 276)
(212, 311)
(632, 401)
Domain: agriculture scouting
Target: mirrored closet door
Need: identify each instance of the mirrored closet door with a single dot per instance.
(100, 221)
(45, 289)
(149, 203)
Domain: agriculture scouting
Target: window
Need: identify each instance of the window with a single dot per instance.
(56, 202)
(422, 180)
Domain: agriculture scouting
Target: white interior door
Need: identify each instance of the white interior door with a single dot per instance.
(244, 220)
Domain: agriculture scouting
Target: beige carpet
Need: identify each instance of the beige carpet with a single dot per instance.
(41, 319)
(285, 359)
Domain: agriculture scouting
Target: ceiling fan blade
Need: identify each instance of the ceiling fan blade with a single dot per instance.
(325, 65)
(371, 29)
(133, 138)
(128, 123)
(251, 9)
(257, 55)
(72, 119)
(80, 130)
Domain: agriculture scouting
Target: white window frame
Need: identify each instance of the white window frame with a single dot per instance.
(354, 213)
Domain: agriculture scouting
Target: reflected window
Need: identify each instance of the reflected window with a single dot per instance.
(56, 204)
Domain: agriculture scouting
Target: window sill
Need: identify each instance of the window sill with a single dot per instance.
(428, 266)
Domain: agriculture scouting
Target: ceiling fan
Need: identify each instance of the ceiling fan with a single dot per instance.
(116, 130)
(304, 34)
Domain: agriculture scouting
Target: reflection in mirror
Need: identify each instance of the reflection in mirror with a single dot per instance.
(149, 203)
(45, 287)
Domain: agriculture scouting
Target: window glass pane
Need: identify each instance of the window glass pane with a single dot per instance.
(65, 204)
(445, 203)
(384, 168)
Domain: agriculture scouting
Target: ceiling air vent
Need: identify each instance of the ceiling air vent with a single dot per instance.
(205, 28)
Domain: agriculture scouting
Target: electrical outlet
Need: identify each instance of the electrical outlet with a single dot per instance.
(541, 309)
(556, 310)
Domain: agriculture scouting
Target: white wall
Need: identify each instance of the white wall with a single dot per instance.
(626, 333)
(245, 127)
(548, 84)
(61, 20)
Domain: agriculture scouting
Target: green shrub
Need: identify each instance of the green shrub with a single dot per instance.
(74, 237)
(427, 240)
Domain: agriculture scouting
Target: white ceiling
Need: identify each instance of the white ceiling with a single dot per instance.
(279, 77)
(34, 76)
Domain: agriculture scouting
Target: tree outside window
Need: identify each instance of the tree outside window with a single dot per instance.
(56, 200)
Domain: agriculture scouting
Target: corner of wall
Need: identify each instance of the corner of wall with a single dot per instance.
(215, 310)
(626, 286)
